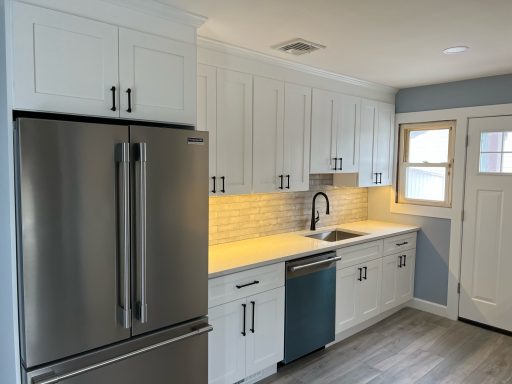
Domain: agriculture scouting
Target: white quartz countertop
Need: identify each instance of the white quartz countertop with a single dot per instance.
(237, 256)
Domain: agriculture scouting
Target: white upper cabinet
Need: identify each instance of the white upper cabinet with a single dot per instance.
(282, 114)
(69, 64)
(268, 135)
(297, 134)
(64, 63)
(375, 149)
(157, 77)
(334, 132)
(234, 132)
(207, 115)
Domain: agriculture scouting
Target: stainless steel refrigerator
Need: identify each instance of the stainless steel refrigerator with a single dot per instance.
(112, 252)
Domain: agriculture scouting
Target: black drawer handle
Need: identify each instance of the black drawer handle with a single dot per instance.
(223, 178)
(400, 244)
(360, 278)
(113, 90)
(129, 92)
(214, 178)
(253, 310)
(287, 181)
(243, 328)
(365, 273)
(248, 284)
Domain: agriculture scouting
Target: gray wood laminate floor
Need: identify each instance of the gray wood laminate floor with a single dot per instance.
(409, 347)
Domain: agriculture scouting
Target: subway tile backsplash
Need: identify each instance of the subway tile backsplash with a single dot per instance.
(234, 218)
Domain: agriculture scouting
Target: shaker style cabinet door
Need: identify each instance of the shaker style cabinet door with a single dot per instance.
(207, 117)
(234, 132)
(347, 285)
(324, 126)
(226, 344)
(157, 78)
(383, 143)
(370, 290)
(405, 283)
(268, 120)
(64, 63)
(390, 269)
(347, 143)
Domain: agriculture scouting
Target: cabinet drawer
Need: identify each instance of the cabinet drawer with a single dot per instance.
(242, 284)
(358, 254)
(400, 243)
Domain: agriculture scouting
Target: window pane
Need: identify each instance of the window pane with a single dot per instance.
(491, 141)
(507, 163)
(490, 162)
(496, 152)
(428, 146)
(425, 183)
(507, 142)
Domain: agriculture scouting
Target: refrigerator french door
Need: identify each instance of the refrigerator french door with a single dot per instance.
(112, 250)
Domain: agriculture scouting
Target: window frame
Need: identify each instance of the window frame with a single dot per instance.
(403, 163)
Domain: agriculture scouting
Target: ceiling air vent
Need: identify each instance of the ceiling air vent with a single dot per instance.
(298, 47)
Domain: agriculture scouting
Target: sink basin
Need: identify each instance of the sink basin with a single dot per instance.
(334, 235)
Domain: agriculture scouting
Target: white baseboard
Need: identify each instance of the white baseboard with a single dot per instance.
(428, 306)
(258, 376)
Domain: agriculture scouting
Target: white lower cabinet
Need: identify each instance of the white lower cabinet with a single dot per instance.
(389, 282)
(248, 333)
(369, 289)
(405, 280)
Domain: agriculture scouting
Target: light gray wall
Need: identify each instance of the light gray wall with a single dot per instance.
(432, 250)
(468, 93)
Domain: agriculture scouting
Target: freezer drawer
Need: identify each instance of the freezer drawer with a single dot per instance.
(176, 355)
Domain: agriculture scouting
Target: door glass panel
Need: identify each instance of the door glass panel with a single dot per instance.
(426, 183)
(428, 146)
(495, 152)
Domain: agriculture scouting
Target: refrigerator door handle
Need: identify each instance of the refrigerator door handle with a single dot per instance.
(45, 379)
(142, 306)
(124, 309)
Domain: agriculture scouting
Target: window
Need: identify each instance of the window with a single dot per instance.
(425, 163)
(496, 152)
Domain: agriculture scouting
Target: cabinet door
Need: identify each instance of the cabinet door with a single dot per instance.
(64, 63)
(161, 75)
(405, 285)
(297, 134)
(369, 290)
(324, 122)
(265, 330)
(268, 120)
(367, 173)
(390, 269)
(348, 133)
(226, 344)
(234, 131)
(383, 143)
(207, 116)
(346, 298)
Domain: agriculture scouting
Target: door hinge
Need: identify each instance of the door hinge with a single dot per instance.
(458, 288)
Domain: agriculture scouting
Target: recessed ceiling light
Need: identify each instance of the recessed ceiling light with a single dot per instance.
(453, 50)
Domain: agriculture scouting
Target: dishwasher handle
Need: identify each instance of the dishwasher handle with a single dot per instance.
(303, 266)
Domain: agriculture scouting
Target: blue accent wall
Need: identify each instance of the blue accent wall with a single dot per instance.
(467, 93)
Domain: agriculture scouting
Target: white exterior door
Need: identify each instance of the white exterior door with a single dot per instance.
(268, 120)
(297, 134)
(265, 330)
(207, 115)
(324, 123)
(486, 286)
(347, 285)
(348, 134)
(234, 132)
(157, 77)
(369, 290)
(226, 344)
(64, 63)
(390, 268)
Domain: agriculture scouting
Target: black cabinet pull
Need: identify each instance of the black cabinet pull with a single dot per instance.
(335, 163)
(214, 178)
(248, 284)
(400, 244)
(287, 181)
(365, 273)
(360, 278)
(281, 177)
(399, 261)
(113, 90)
(243, 328)
(253, 310)
(223, 178)
(376, 179)
(341, 163)
(380, 178)
(405, 259)
(129, 92)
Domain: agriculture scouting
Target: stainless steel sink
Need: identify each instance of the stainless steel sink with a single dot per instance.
(334, 235)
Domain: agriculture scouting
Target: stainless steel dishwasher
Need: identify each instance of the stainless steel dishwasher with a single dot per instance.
(310, 304)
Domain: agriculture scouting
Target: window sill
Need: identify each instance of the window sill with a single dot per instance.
(419, 210)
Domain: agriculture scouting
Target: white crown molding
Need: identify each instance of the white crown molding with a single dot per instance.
(161, 9)
(216, 45)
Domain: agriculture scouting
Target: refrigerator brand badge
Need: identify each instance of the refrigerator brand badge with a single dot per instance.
(195, 140)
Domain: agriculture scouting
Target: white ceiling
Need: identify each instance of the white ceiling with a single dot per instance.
(391, 42)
